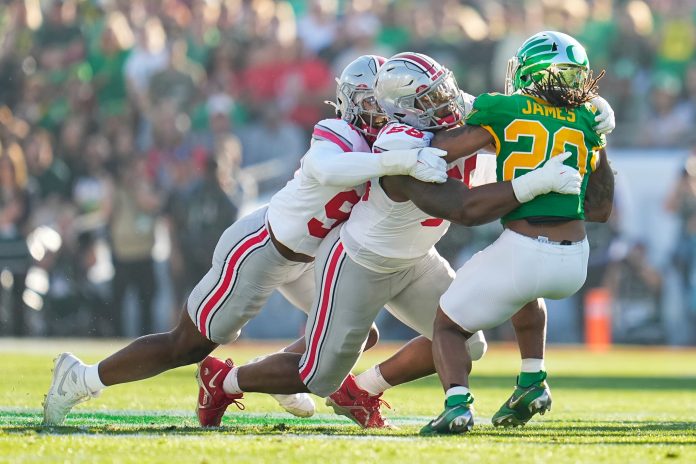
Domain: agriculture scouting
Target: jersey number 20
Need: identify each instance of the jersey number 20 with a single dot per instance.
(540, 140)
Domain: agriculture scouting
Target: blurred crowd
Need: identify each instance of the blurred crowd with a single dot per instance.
(135, 131)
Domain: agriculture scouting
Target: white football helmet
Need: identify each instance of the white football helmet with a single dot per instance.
(417, 90)
(355, 95)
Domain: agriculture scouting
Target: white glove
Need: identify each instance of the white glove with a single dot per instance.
(430, 166)
(553, 176)
(606, 122)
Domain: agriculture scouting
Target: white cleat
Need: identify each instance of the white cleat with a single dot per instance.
(67, 389)
(477, 345)
(297, 404)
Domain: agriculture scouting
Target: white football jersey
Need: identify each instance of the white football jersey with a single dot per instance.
(303, 212)
(390, 229)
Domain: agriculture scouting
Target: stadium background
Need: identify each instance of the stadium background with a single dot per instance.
(134, 132)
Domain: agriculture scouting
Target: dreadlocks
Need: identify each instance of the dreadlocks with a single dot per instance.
(556, 91)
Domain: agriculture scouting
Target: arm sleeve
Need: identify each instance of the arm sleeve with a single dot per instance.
(330, 165)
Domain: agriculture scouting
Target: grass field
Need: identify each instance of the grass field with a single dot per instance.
(626, 406)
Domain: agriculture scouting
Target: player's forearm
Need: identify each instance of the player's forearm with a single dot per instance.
(457, 203)
(461, 141)
(354, 168)
(599, 196)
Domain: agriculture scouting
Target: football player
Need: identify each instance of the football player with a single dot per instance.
(272, 248)
(384, 254)
(543, 250)
(361, 395)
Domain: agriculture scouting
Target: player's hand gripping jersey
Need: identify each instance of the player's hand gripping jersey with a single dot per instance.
(530, 131)
(390, 229)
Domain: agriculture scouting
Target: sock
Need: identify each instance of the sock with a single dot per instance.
(372, 381)
(92, 380)
(458, 395)
(532, 365)
(532, 372)
(230, 385)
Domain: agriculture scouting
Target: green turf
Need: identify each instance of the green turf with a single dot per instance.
(624, 406)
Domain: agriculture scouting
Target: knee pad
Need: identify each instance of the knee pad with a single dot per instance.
(477, 345)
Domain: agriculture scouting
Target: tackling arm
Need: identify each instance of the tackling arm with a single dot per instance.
(479, 205)
(330, 165)
(462, 141)
(599, 196)
(454, 201)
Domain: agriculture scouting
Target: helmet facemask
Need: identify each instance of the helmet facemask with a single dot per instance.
(441, 104)
(513, 65)
(361, 108)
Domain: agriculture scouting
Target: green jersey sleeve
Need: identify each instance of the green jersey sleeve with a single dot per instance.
(488, 109)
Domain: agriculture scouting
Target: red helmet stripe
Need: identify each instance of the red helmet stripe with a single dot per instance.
(427, 67)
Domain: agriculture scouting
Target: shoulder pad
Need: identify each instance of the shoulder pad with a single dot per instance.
(336, 131)
(398, 136)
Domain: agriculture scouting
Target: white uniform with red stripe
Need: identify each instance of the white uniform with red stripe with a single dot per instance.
(247, 267)
(306, 209)
(389, 229)
(383, 255)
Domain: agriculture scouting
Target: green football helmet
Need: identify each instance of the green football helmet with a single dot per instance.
(546, 52)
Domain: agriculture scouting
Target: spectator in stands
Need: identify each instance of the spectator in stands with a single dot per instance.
(670, 120)
(149, 56)
(198, 212)
(107, 61)
(50, 175)
(178, 81)
(635, 287)
(682, 202)
(59, 40)
(134, 210)
(319, 26)
(272, 160)
(14, 213)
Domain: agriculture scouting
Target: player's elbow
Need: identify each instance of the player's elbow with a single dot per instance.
(464, 217)
(471, 213)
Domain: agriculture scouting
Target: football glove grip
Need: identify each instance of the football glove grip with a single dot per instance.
(425, 164)
(553, 176)
(606, 122)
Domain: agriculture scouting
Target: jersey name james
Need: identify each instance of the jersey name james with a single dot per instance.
(527, 132)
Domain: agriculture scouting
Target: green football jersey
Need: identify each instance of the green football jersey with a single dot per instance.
(527, 132)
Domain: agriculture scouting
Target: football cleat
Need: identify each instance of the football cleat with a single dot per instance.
(457, 418)
(523, 404)
(67, 389)
(357, 405)
(298, 404)
(212, 399)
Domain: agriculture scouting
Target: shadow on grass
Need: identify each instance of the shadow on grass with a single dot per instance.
(571, 382)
